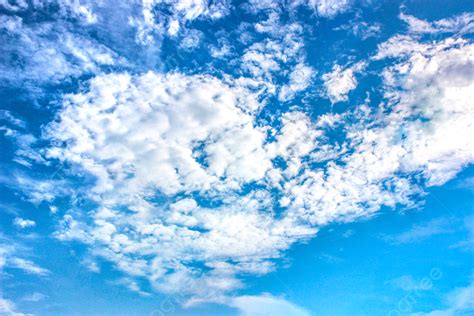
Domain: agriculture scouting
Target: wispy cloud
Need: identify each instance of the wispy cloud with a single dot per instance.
(420, 232)
(458, 302)
(27, 266)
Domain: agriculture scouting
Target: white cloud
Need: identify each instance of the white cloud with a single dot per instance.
(10, 257)
(300, 79)
(436, 144)
(420, 232)
(76, 9)
(329, 8)
(266, 304)
(175, 117)
(18, 5)
(441, 146)
(408, 283)
(48, 53)
(184, 173)
(459, 302)
(152, 22)
(279, 54)
(27, 266)
(341, 81)
(184, 134)
(8, 308)
(362, 29)
(132, 286)
(23, 223)
(34, 297)
(461, 24)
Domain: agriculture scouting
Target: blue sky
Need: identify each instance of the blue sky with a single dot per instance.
(178, 157)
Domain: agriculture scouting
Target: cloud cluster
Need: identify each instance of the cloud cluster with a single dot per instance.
(11, 256)
(48, 52)
(192, 192)
(190, 139)
(159, 17)
(187, 188)
(341, 81)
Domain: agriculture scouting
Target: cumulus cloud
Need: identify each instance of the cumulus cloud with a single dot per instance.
(23, 223)
(159, 17)
(190, 191)
(300, 79)
(329, 8)
(341, 81)
(185, 134)
(279, 56)
(174, 161)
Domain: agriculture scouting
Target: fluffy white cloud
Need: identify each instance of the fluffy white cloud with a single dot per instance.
(436, 86)
(80, 10)
(23, 223)
(187, 180)
(278, 57)
(426, 131)
(329, 8)
(300, 79)
(341, 81)
(173, 134)
(153, 22)
(15, 6)
(157, 142)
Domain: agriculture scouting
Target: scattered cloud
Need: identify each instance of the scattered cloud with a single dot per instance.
(461, 24)
(408, 283)
(23, 223)
(330, 258)
(132, 285)
(191, 189)
(341, 81)
(424, 231)
(329, 8)
(27, 266)
(300, 79)
(11, 254)
(468, 242)
(458, 302)
(34, 297)
(190, 143)
(8, 308)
